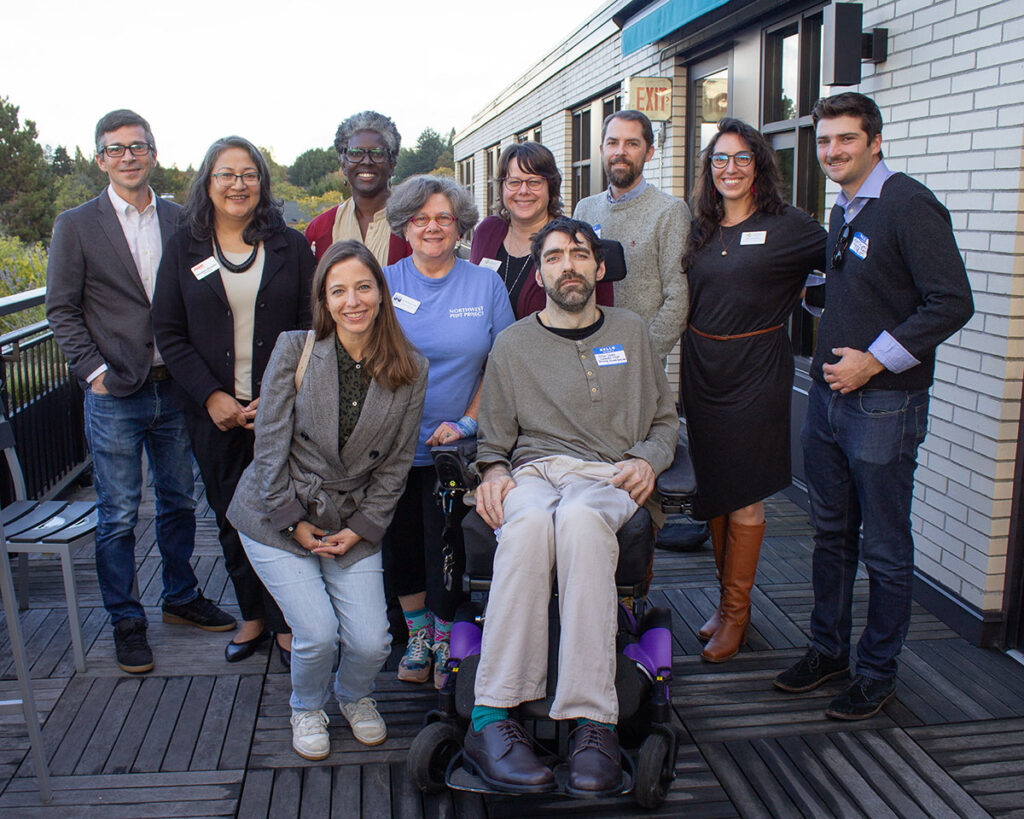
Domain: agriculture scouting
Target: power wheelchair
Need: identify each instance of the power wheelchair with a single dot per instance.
(643, 647)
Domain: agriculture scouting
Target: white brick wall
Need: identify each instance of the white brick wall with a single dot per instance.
(952, 98)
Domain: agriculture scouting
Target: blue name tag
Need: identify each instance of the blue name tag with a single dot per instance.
(610, 356)
(859, 245)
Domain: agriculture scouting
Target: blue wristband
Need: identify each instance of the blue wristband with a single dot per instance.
(466, 426)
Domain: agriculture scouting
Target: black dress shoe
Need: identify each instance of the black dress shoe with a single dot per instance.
(500, 754)
(594, 762)
(286, 656)
(236, 652)
(862, 699)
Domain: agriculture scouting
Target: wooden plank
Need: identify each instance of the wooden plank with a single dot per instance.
(862, 793)
(792, 782)
(346, 791)
(215, 724)
(316, 793)
(190, 721)
(406, 800)
(376, 796)
(739, 790)
(255, 799)
(238, 738)
(286, 794)
(773, 796)
(134, 728)
(154, 746)
(817, 776)
(879, 778)
(65, 754)
(94, 757)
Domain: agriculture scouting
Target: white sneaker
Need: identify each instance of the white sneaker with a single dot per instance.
(309, 734)
(367, 724)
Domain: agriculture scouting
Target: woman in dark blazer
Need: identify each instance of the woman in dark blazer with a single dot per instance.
(232, 280)
(335, 439)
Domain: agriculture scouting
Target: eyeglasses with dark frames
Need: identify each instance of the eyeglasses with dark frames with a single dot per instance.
(842, 244)
(534, 185)
(378, 156)
(741, 158)
(226, 179)
(116, 150)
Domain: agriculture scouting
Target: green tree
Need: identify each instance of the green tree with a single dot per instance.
(26, 207)
(62, 163)
(278, 173)
(332, 183)
(430, 147)
(171, 183)
(312, 166)
(72, 190)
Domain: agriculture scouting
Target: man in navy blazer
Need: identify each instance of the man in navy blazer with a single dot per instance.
(99, 284)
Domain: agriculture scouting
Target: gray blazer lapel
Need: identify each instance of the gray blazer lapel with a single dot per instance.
(367, 430)
(112, 229)
(322, 382)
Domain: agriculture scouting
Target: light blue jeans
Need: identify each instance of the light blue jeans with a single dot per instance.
(326, 605)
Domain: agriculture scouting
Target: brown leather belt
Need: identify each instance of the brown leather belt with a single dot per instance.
(159, 372)
(740, 335)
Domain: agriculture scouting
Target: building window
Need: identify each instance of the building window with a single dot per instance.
(466, 174)
(608, 107)
(493, 193)
(709, 96)
(581, 153)
(792, 84)
(529, 135)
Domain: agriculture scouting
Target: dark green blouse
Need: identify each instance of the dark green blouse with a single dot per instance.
(352, 387)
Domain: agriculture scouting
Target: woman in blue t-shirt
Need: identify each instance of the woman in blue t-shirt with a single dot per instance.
(452, 311)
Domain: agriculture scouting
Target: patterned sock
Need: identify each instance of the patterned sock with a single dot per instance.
(583, 721)
(416, 620)
(442, 630)
(484, 715)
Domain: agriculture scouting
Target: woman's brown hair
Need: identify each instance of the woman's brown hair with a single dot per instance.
(388, 355)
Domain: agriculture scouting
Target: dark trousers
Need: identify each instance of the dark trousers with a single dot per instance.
(413, 545)
(222, 458)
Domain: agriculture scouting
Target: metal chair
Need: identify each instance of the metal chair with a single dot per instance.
(45, 527)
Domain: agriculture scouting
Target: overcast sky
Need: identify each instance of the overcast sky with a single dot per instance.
(202, 69)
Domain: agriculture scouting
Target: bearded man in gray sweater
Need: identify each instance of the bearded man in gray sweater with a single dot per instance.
(576, 421)
(651, 225)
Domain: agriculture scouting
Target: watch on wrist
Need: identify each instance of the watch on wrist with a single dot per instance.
(289, 531)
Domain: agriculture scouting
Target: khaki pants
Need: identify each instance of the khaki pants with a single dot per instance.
(561, 516)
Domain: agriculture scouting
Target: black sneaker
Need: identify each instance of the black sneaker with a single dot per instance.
(810, 671)
(133, 652)
(864, 698)
(199, 612)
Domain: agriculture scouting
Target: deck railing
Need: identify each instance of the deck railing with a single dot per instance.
(43, 400)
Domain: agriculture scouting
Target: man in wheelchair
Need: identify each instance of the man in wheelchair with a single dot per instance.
(576, 421)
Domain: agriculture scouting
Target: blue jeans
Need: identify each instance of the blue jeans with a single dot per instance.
(325, 604)
(860, 453)
(117, 430)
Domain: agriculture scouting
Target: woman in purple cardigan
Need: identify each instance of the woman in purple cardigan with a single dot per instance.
(530, 182)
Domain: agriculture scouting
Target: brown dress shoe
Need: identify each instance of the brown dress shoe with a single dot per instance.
(501, 755)
(594, 766)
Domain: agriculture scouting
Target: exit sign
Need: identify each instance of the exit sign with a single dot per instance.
(652, 95)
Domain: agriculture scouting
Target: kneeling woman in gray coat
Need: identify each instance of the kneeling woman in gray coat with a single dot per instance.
(335, 436)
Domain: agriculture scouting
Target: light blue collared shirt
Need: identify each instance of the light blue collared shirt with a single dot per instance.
(890, 353)
(632, 193)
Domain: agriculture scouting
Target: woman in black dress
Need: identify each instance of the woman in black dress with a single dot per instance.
(748, 258)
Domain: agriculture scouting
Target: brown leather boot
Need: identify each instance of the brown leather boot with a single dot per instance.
(718, 526)
(741, 554)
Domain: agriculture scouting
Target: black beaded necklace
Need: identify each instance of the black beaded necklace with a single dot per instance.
(231, 266)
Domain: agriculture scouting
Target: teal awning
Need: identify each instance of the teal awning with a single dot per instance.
(662, 21)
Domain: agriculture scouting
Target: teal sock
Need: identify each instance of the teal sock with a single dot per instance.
(484, 715)
(416, 620)
(583, 721)
(442, 630)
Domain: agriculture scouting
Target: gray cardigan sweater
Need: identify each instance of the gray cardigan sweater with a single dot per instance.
(297, 472)
(547, 395)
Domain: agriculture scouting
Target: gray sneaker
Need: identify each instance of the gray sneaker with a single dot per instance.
(366, 722)
(309, 734)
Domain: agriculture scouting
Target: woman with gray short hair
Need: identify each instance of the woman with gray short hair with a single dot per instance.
(451, 311)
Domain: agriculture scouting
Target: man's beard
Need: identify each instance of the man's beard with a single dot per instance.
(623, 176)
(571, 301)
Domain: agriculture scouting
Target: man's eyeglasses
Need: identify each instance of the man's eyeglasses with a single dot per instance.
(534, 185)
(377, 156)
(226, 179)
(117, 150)
(843, 242)
(742, 159)
(444, 219)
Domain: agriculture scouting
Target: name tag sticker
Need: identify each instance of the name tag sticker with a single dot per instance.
(491, 264)
(205, 268)
(597, 230)
(404, 302)
(859, 245)
(752, 237)
(610, 356)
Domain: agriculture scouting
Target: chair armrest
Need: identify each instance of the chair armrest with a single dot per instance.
(678, 481)
(452, 462)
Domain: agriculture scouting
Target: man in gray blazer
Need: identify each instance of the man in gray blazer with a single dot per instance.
(99, 283)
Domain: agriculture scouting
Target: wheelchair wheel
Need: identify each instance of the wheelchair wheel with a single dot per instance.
(652, 780)
(430, 753)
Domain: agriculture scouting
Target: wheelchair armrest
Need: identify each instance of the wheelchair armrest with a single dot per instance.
(678, 481)
(452, 462)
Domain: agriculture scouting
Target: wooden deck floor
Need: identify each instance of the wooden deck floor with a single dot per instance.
(199, 737)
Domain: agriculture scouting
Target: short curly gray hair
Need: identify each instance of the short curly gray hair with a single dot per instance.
(368, 121)
(408, 198)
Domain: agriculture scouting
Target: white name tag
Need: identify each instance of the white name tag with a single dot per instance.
(752, 237)
(205, 268)
(491, 264)
(859, 245)
(609, 356)
(404, 302)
